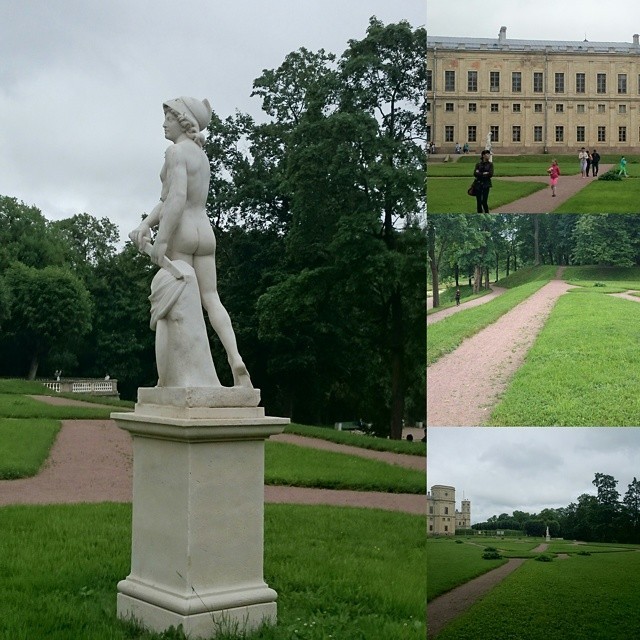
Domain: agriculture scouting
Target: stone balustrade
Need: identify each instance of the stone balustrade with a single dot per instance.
(92, 386)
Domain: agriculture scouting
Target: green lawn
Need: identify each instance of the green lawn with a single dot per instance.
(24, 446)
(580, 597)
(340, 573)
(601, 196)
(449, 195)
(583, 369)
(17, 406)
(450, 564)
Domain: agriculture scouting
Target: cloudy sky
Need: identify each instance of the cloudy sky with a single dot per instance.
(504, 469)
(82, 84)
(540, 20)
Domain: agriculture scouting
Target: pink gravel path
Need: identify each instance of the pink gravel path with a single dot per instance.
(450, 605)
(476, 302)
(626, 296)
(91, 461)
(464, 386)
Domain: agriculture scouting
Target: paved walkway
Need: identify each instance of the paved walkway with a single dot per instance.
(436, 316)
(542, 201)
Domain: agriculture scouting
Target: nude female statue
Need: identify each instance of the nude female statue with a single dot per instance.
(184, 231)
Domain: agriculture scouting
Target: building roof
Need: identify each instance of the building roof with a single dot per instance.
(506, 44)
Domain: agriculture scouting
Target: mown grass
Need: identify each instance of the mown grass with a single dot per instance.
(601, 196)
(527, 274)
(579, 597)
(583, 369)
(622, 277)
(447, 334)
(339, 573)
(503, 167)
(18, 406)
(449, 195)
(291, 465)
(450, 565)
(24, 446)
(357, 440)
(448, 299)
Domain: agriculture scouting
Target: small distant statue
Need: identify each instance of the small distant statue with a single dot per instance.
(57, 374)
(488, 147)
(547, 536)
(185, 247)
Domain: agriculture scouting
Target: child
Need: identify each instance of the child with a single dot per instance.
(623, 167)
(554, 173)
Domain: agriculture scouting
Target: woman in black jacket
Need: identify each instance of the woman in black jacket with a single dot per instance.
(483, 173)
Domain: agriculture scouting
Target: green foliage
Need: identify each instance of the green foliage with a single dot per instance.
(544, 557)
(346, 573)
(606, 240)
(491, 555)
(611, 175)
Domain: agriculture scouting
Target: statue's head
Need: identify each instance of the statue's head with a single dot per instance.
(192, 114)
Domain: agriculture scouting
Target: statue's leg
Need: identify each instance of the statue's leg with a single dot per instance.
(205, 268)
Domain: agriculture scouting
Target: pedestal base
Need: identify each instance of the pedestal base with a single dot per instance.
(198, 513)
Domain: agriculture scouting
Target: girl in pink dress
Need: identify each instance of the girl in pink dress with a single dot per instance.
(554, 172)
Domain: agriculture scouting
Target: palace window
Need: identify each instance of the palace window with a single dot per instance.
(622, 108)
(515, 133)
(495, 133)
(472, 80)
(559, 83)
(446, 510)
(622, 83)
(494, 107)
(516, 82)
(472, 133)
(601, 83)
(560, 108)
(602, 108)
(431, 510)
(428, 107)
(602, 134)
(559, 133)
(622, 134)
(580, 108)
(516, 107)
(473, 107)
(429, 80)
(580, 134)
(494, 81)
(449, 80)
(448, 106)
(449, 133)
(428, 133)
(537, 82)
(537, 133)
(537, 107)
(580, 82)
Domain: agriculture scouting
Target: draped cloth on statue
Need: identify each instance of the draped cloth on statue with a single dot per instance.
(183, 354)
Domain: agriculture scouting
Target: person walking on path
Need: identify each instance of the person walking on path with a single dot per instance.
(622, 167)
(582, 157)
(483, 173)
(595, 161)
(589, 161)
(457, 297)
(554, 173)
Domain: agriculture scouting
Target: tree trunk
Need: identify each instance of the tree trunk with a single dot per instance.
(497, 269)
(433, 265)
(486, 277)
(397, 367)
(33, 368)
(536, 240)
(477, 278)
(508, 263)
(457, 273)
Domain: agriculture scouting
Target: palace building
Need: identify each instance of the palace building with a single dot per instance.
(533, 96)
(443, 518)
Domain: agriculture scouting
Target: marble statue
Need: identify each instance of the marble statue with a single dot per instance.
(185, 248)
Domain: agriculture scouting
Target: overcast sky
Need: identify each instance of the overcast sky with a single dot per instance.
(504, 469)
(82, 84)
(540, 20)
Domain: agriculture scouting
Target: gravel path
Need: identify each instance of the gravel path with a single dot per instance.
(626, 296)
(542, 201)
(476, 302)
(463, 386)
(91, 461)
(450, 605)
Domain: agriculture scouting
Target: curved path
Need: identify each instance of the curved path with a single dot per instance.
(463, 386)
(627, 295)
(476, 302)
(442, 610)
(92, 461)
(542, 201)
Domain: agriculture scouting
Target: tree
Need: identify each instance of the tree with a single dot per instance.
(605, 240)
(631, 506)
(50, 309)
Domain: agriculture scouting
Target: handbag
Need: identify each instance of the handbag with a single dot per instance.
(473, 189)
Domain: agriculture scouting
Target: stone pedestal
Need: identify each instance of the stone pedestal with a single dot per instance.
(198, 511)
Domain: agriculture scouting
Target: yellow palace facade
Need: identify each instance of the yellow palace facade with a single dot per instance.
(533, 96)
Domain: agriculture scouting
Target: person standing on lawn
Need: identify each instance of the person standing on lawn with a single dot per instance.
(554, 174)
(595, 161)
(483, 172)
(582, 158)
(622, 167)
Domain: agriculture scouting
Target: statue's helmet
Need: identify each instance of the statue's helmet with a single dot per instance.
(198, 112)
